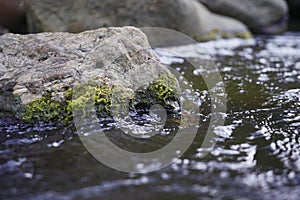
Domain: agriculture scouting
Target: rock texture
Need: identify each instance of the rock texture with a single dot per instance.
(261, 16)
(39, 71)
(187, 16)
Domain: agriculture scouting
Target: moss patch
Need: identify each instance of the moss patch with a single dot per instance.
(215, 34)
(76, 100)
(85, 96)
(44, 109)
(164, 89)
(82, 97)
(163, 92)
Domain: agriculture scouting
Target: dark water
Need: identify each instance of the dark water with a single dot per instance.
(256, 155)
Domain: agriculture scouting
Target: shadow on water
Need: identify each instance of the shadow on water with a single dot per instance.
(256, 156)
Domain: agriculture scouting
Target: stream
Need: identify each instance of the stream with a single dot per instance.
(256, 155)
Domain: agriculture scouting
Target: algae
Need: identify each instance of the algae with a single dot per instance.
(43, 109)
(99, 97)
(215, 34)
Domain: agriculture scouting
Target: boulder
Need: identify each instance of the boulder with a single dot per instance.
(46, 76)
(261, 16)
(187, 16)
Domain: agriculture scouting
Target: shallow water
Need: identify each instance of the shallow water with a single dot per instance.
(256, 155)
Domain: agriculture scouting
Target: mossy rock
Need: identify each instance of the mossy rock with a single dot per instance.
(49, 76)
(101, 98)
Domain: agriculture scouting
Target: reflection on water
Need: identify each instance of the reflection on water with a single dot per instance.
(257, 151)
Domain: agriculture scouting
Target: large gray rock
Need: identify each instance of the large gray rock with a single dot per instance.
(187, 16)
(38, 72)
(261, 16)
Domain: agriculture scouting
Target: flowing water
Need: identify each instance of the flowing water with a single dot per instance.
(256, 155)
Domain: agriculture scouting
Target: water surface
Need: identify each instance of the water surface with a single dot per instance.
(256, 155)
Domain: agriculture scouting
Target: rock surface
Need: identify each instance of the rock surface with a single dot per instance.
(38, 71)
(261, 16)
(187, 16)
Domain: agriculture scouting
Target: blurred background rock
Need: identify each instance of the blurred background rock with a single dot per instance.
(201, 19)
(12, 16)
(261, 16)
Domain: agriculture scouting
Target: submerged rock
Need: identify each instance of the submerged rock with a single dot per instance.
(261, 16)
(187, 16)
(46, 76)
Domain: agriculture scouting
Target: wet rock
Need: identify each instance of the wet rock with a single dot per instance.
(187, 16)
(261, 16)
(39, 72)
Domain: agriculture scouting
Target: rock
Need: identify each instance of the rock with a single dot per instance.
(261, 16)
(187, 16)
(46, 76)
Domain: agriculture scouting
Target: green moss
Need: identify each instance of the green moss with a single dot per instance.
(82, 97)
(203, 37)
(245, 35)
(227, 35)
(163, 91)
(76, 100)
(214, 34)
(44, 109)
(164, 88)
(101, 98)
